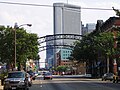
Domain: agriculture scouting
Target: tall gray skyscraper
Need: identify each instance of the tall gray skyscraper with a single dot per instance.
(67, 20)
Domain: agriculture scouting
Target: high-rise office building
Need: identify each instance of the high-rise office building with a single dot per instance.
(88, 28)
(67, 20)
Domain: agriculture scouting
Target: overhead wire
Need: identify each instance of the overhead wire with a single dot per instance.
(27, 4)
(39, 5)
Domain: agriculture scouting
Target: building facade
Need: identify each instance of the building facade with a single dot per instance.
(67, 20)
(111, 25)
(90, 27)
(49, 55)
(103, 64)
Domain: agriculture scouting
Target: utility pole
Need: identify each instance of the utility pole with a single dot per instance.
(16, 27)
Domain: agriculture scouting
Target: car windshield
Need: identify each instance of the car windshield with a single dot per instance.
(16, 75)
(48, 74)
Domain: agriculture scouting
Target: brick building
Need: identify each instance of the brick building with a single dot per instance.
(109, 25)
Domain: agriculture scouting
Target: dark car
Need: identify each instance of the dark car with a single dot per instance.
(16, 80)
(47, 75)
(107, 76)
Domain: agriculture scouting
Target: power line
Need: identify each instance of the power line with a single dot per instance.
(28, 4)
(97, 8)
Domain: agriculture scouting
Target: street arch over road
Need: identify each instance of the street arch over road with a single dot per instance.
(55, 37)
(59, 36)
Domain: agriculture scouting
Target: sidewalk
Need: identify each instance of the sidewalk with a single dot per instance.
(1, 87)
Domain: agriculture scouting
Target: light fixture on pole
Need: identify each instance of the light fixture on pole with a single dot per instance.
(15, 27)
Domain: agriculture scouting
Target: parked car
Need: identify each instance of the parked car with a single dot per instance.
(47, 75)
(116, 77)
(107, 76)
(40, 74)
(16, 80)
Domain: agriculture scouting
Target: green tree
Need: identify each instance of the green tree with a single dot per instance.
(84, 50)
(26, 45)
(61, 68)
(88, 48)
(7, 44)
(105, 44)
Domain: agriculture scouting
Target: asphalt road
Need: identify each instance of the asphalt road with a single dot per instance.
(73, 84)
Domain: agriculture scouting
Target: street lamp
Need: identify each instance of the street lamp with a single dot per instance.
(15, 27)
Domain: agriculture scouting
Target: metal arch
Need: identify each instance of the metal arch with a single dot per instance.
(56, 47)
(70, 46)
(59, 36)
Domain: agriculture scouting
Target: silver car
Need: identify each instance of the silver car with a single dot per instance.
(47, 75)
(107, 76)
(16, 80)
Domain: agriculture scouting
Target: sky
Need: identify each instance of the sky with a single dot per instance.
(41, 17)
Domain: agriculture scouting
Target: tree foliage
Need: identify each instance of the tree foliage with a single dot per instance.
(26, 45)
(6, 44)
(61, 68)
(84, 50)
(89, 47)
